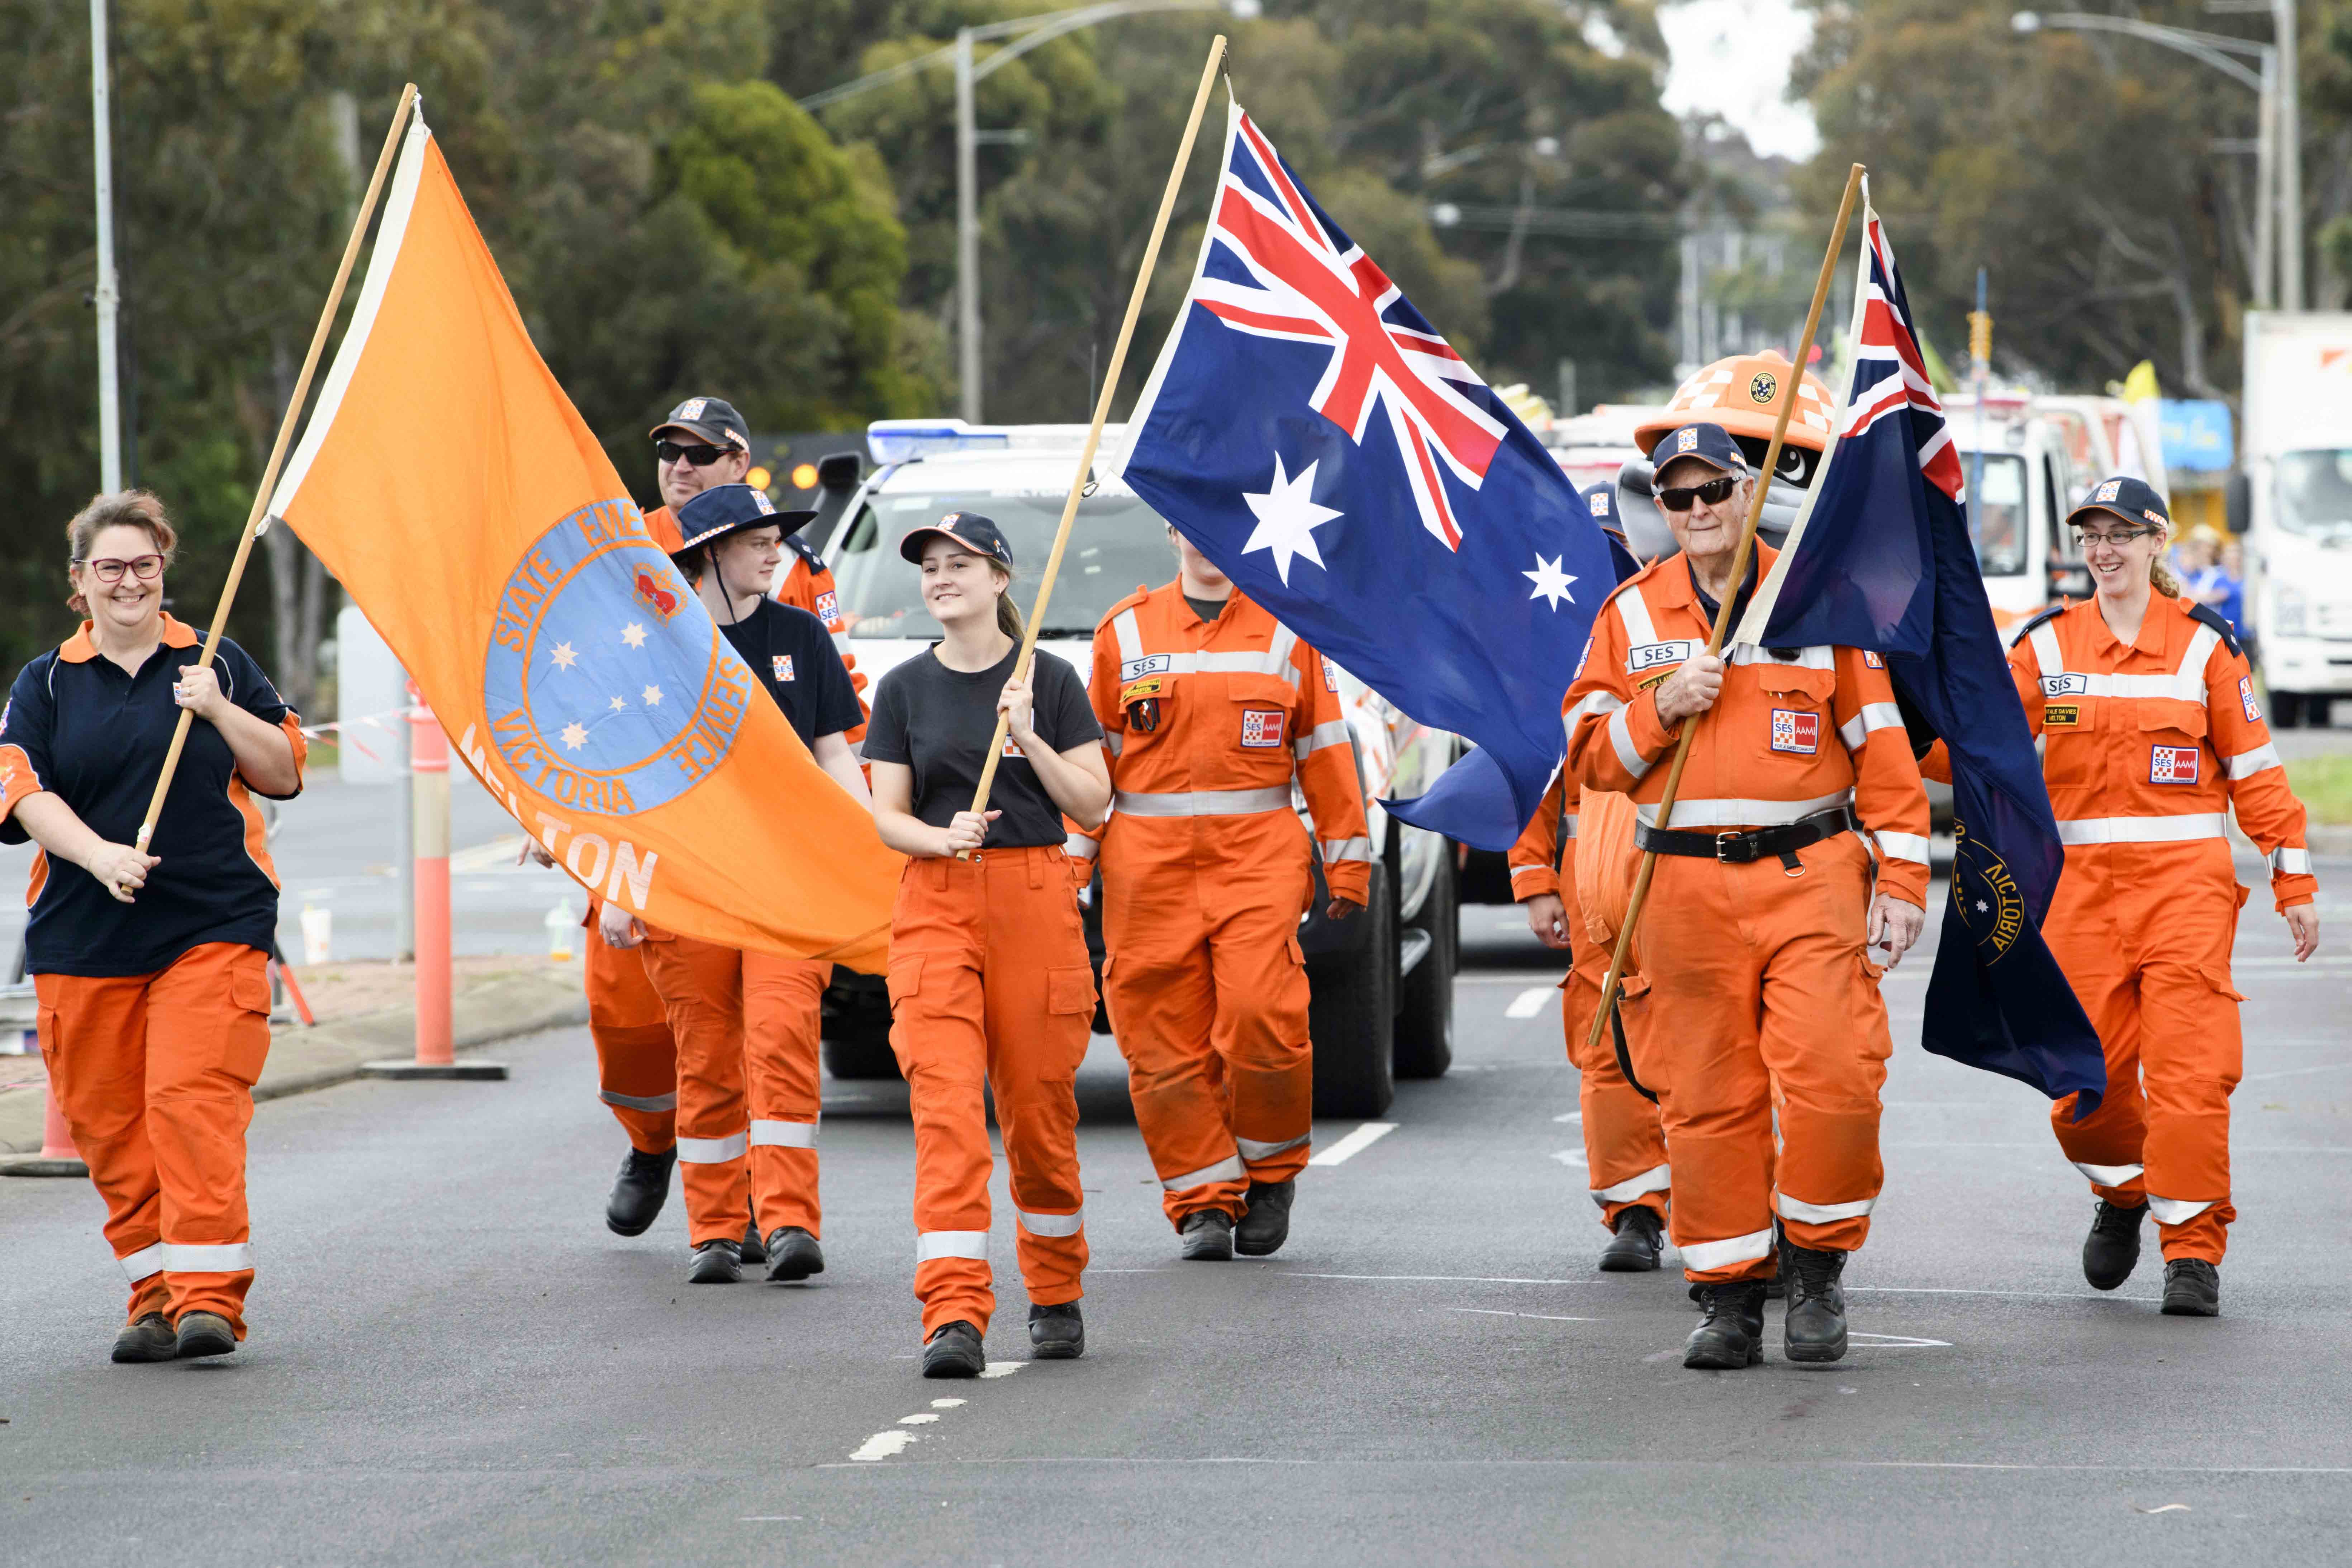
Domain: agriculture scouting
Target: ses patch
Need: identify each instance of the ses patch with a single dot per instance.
(1873, 660)
(1795, 731)
(1149, 664)
(1330, 675)
(1261, 728)
(2246, 699)
(2172, 764)
(828, 609)
(2069, 684)
(781, 664)
(1649, 655)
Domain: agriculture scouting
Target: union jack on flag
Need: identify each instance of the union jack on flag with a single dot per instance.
(1886, 352)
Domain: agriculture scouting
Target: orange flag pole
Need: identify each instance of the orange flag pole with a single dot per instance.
(1723, 612)
(254, 522)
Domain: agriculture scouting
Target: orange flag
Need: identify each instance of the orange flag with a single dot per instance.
(453, 489)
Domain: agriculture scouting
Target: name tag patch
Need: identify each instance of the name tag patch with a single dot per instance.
(1149, 664)
(782, 665)
(1649, 655)
(2245, 696)
(2172, 764)
(1262, 727)
(1137, 691)
(2060, 715)
(1796, 732)
(2067, 685)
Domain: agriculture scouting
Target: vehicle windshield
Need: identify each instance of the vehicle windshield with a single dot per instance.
(1997, 514)
(2315, 494)
(1116, 543)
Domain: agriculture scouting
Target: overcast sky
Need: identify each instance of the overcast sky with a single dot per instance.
(1732, 57)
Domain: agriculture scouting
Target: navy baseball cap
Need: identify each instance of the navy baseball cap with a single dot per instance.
(723, 510)
(2134, 500)
(974, 533)
(1601, 500)
(711, 419)
(1710, 444)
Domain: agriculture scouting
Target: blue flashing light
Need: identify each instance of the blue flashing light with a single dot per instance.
(904, 440)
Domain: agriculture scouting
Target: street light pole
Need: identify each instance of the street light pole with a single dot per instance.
(106, 298)
(2289, 137)
(967, 230)
(2266, 202)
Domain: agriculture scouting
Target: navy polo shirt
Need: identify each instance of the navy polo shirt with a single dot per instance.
(80, 729)
(793, 657)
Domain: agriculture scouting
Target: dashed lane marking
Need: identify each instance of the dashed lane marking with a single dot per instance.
(1354, 1143)
(2295, 1072)
(892, 1441)
(1570, 1116)
(882, 1446)
(1531, 1002)
(1570, 1157)
(1540, 1317)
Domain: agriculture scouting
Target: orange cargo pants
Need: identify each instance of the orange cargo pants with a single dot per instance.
(1761, 999)
(155, 1074)
(1624, 1140)
(1207, 993)
(637, 1060)
(747, 1029)
(990, 989)
(2144, 933)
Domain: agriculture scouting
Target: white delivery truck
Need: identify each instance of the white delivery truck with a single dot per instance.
(2294, 502)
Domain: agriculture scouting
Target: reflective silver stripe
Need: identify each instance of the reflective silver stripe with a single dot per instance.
(2246, 764)
(2181, 688)
(1819, 657)
(2110, 1175)
(1635, 614)
(1228, 1169)
(2177, 1211)
(146, 1261)
(782, 1134)
(2192, 663)
(1621, 740)
(1206, 802)
(228, 1259)
(712, 1151)
(1597, 702)
(638, 1101)
(2292, 860)
(1519, 871)
(1078, 847)
(1874, 716)
(1069, 1224)
(1567, 827)
(1821, 1213)
(1278, 651)
(2141, 829)
(1337, 849)
(1902, 846)
(2046, 657)
(933, 1244)
(1741, 812)
(1124, 626)
(1705, 1255)
(1254, 1149)
(1656, 1180)
(1263, 663)
(1114, 740)
(1334, 732)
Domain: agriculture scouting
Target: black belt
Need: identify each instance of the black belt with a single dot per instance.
(1740, 849)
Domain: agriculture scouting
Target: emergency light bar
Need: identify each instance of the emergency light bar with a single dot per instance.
(904, 440)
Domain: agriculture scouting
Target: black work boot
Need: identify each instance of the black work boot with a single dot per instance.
(2111, 1251)
(1731, 1334)
(792, 1254)
(1207, 1236)
(152, 1338)
(2192, 1289)
(1266, 1225)
(639, 1191)
(1639, 1243)
(954, 1352)
(1057, 1333)
(1777, 1287)
(205, 1334)
(716, 1263)
(1815, 1326)
(754, 1251)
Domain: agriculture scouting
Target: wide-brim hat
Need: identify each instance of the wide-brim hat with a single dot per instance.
(723, 510)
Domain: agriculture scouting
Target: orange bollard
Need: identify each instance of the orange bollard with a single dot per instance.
(59, 1157)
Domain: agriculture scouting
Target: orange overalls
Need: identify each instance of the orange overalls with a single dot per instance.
(1206, 871)
(1624, 1143)
(637, 1059)
(2147, 747)
(1760, 997)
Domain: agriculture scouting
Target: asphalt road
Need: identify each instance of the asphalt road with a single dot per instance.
(454, 1361)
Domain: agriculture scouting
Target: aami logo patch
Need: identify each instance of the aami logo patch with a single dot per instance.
(781, 664)
(1262, 727)
(1649, 655)
(2245, 696)
(2070, 684)
(2172, 764)
(1796, 732)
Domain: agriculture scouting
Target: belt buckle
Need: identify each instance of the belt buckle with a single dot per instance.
(1722, 848)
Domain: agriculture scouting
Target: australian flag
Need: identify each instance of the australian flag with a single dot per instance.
(1318, 440)
(1880, 558)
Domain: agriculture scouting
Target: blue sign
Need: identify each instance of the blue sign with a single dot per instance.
(2197, 435)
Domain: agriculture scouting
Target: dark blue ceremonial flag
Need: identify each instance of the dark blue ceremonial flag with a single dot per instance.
(1881, 558)
(1315, 437)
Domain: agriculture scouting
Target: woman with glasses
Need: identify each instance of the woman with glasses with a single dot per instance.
(149, 968)
(2150, 736)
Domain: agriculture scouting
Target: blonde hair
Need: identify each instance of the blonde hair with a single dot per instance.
(116, 509)
(1008, 614)
(2159, 575)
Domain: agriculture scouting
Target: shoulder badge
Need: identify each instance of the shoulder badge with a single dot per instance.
(806, 552)
(2052, 614)
(2206, 615)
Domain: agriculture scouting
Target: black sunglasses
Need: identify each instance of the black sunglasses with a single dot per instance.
(1715, 492)
(702, 456)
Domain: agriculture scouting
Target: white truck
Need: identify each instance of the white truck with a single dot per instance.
(2293, 501)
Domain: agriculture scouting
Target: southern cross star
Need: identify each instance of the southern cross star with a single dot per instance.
(634, 635)
(1288, 517)
(575, 736)
(619, 703)
(653, 696)
(1551, 583)
(564, 656)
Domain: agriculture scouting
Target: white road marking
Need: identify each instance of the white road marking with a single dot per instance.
(1531, 1002)
(2032, 1295)
(1541, 1317)
(948, 1403)
(1445, 1278)
(1570, 1116)
(1003, 1368)
(2295, 1072)
(498, 852)
(1570, 1157)
(882, 1446)
(920, 1418)
(770, 1519)
(2167, 1508)
(1354, 1143)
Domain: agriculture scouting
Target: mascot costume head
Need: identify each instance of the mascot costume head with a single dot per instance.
(1738, 394)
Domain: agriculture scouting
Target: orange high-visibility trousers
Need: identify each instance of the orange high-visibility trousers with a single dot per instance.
(155, 1074)
(990, 982)
(1761, 999)
(746, 1029)
(1624, 1140)
(637, 1060)
(1207, 994)
(2145, 933)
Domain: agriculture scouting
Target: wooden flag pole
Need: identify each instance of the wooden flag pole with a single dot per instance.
(278, 452)
(1102, 413)
(1723, 612)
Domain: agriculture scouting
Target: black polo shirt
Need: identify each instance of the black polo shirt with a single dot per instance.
(80, 729)
(793, 657)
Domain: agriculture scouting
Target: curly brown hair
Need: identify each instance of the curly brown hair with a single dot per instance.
(116, 509)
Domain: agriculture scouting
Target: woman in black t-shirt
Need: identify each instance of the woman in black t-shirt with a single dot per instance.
(989, 972)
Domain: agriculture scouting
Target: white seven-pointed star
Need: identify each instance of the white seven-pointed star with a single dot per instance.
(1983, 908)
(575, 736)
(1551, 583)
(564, 656)
(1288, 518)
(653, 696)
(634, 635)
(619, 703)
